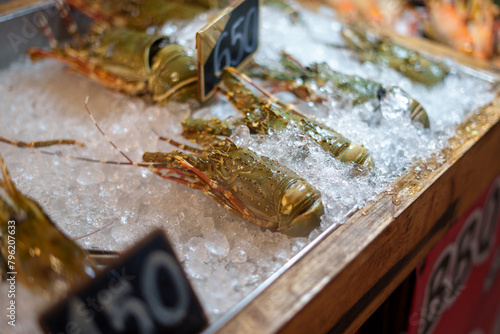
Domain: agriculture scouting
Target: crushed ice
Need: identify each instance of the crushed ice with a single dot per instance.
(224, 256)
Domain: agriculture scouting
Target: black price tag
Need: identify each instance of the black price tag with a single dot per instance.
(229, 40)
(147, 292)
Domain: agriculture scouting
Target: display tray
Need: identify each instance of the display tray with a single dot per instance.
(345, 272)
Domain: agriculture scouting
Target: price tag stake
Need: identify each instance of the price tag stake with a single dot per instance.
(146, 292)
(229, 40)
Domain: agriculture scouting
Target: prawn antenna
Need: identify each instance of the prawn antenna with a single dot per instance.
(104, 134)
(59, 154)
(42, 144)
(94, 232)
(291, 108)
(36, 144)
(47, 31)
(67, 18)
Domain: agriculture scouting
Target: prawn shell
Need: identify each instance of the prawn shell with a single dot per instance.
(45, 259)
(123, 52)
(173, 72)
(251, 186)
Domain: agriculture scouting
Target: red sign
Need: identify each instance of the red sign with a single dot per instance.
(457, 289)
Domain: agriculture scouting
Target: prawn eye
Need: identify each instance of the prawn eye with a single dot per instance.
(301, 209)
(381, 92)
(156, 47)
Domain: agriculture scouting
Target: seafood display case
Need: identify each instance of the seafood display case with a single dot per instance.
(380, 221)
